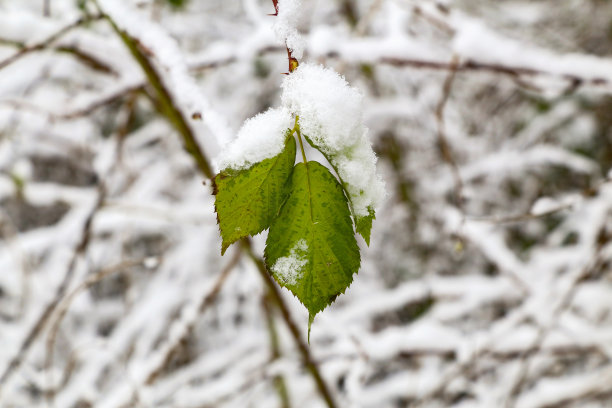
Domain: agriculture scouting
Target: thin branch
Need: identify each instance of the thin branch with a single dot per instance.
(217, 63)
(516, 72)
(48, 41)
(511, 219)
(165, 100)
(275, 351)
(88, 59)
(443, 145)
(60, 292)
(22, 104)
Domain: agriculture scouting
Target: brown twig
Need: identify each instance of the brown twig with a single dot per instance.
(443, 145)
(48, 41)
(88, 59)
(275, 351)
(275, 3)
(203, 66)
(77, 113)
(469, 65)
(511, 219)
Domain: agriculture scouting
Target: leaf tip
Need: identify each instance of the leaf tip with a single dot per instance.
(224, 247)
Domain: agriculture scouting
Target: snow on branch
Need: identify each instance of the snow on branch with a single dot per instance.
(166, 52)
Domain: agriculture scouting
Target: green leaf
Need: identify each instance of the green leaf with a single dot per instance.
(363, 225)
(247, 201)
(311, 248)
(177, 3)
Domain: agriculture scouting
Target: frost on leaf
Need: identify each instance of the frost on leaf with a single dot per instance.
(248, 200)
(312, 239)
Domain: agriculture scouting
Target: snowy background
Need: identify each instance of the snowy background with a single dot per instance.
(488, 281)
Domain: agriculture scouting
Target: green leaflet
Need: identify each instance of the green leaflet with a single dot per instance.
(363, 225)
(311, 248)
(247, 201)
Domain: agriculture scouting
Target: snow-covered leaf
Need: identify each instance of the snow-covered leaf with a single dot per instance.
(247, 201)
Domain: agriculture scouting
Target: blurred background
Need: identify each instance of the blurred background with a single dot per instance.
(488, 280)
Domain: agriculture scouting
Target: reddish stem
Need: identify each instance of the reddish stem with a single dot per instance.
(275, 8)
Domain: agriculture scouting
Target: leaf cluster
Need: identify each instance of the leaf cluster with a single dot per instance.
(311, 247)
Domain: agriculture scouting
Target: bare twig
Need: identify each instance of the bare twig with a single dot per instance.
(77, 113)
(510, 219)
(217, 63)
(48, 41)
(88, 59)
(275, 351)
(443, 145)
(470, 65)
(83, 56)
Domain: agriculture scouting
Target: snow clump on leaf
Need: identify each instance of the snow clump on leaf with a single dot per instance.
(331, 116)
(260, 138)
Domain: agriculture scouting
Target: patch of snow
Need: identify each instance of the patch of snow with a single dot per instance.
(544, 205)
(260, 138)
(289, 269)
